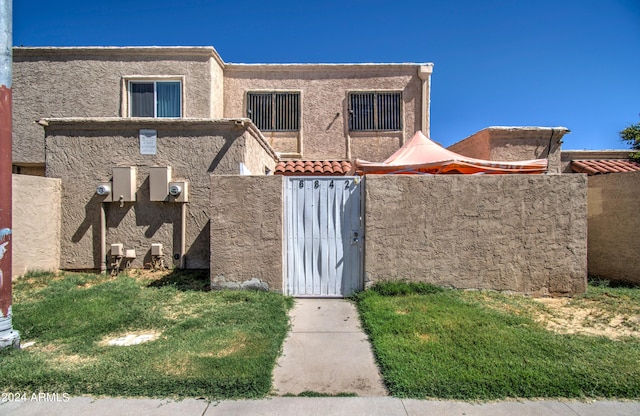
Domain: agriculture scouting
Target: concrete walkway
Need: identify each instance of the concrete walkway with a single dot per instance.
(327, 352)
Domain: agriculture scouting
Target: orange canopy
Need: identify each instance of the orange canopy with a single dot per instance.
(421, 155)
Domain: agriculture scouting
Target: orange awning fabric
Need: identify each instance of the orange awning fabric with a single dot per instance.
(421, 155)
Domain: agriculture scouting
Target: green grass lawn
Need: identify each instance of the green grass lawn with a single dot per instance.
(453, 344)
(209, 344)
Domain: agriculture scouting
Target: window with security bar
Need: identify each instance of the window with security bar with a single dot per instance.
(274, 111)
(375, 111)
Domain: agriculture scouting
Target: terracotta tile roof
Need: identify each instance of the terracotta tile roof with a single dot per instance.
(596, 167)
(313, 168)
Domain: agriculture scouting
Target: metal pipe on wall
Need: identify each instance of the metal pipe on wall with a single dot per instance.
(103, 239)
(183, 234)
(424, 73)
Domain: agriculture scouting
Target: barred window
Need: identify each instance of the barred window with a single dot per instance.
(274, 111)
(375, 111)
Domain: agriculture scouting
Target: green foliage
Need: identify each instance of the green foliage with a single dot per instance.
(471, 345)
(215, 345)
(631, 136)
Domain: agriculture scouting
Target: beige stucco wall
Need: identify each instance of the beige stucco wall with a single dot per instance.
(88, 82)
(514, 143)
(614, 226)
(523, 233)
(259, 157)
(35, 235)
(217, 87)
(83, 152)
(324, 133)
(246, 231)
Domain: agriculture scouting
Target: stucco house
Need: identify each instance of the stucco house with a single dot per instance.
(185, 109)
(167, 155)
(304, 111)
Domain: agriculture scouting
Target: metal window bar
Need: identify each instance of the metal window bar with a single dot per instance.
(274, 111)
(389, 111)
(370, 111)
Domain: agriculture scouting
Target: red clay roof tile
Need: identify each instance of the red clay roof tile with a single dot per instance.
(313, 167)
(597, 167)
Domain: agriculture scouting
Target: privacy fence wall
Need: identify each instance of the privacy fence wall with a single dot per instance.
(614, 226)
(35, 236)
(521, 233)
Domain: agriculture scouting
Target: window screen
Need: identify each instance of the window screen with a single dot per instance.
(142, 99)
(156, 99)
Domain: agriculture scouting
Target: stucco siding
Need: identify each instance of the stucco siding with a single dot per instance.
(324, 105)
(69, 82)
(217, 89)
(83, 154)
(257, 158)
(246, 231)
(520, 233)
(515, 143)
(35, 238)
(614, 226)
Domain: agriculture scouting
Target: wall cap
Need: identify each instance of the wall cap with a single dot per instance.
(112, 123)
(333, 66)
(114, 51)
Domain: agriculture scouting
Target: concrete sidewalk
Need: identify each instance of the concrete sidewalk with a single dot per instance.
(298, 406)
(327, 352)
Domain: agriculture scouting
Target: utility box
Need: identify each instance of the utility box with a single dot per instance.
(130, 253)
(117, 250)
(156, 250)
(159, 178)
(124, 184)
(179, 191)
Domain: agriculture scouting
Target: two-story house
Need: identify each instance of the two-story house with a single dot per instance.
(129, 117)
(304, 111)
(148, 145)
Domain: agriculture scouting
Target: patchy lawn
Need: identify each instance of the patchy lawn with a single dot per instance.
(476, 345)
(187, 341)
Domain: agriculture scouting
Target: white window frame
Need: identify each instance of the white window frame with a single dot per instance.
(125, 104)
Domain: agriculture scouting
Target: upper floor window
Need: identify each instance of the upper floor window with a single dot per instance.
(155, 99)
(274, 111)
(375, 111)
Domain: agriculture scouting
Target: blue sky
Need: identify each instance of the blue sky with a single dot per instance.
(572, 63)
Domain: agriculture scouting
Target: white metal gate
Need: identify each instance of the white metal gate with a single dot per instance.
(323, 230)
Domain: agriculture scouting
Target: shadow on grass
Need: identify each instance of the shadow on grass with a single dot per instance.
(598, 281)
(185, 280)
